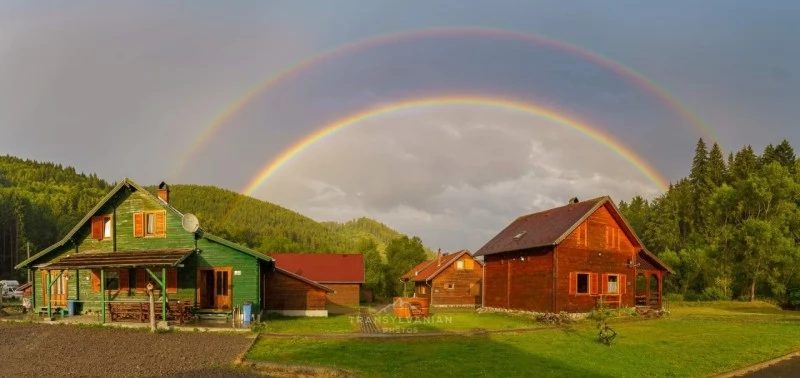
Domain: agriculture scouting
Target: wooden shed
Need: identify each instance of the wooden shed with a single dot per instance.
(448, 280)
(132, 237)
(343, 273)
(291, 295)
(569, 259)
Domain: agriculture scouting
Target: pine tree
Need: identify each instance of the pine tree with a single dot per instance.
(744, 164)
(701, 186)
(717, 172)
(784, 154)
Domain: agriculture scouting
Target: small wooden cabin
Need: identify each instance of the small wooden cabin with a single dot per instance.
(570, 258)
(448, 280)
(343, 273)
(291, 295)
(132, 237)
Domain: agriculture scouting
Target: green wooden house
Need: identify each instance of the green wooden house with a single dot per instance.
(133, 237)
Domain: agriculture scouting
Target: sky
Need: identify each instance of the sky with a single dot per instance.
(153, 91)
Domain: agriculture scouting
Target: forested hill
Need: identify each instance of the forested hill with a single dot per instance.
(360, 228)
(47, 199)
(269, 227)
(731, 229)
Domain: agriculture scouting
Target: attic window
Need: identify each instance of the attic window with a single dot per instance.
(520, 235)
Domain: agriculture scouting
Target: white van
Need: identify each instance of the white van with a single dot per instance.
(11, 292)
(9, 283)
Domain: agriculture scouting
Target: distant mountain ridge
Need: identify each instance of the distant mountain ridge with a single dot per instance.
(44, 200)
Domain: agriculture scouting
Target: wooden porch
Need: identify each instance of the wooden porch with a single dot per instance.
(649, 289)
(152, 261)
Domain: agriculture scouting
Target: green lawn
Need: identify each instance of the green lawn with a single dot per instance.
(440, 321)
(303, 325)
(694, 340)
(455, 321)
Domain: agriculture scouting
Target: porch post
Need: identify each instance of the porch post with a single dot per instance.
(103, 295)
(49, 292)
(660, 289)
(164, 294)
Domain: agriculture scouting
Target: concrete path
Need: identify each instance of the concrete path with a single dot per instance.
(784, 369)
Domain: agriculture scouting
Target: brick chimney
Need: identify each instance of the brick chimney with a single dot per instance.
(163, 192)
(439, 257)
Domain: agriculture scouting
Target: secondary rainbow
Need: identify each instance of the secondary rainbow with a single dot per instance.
(302, 65)
(591, 131)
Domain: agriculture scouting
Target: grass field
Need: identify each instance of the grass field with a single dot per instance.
(440, 321)
(695, 340)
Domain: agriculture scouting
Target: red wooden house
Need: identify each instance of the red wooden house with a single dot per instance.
(568, 258)
(343, 273)
(448, 280)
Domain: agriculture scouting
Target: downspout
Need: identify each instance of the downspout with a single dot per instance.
(483, 283)
(430, 301)
(555, 278)
(114, 229)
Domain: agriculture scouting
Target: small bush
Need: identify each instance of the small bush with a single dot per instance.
(712, 294)
(691, 296)
(673, 297)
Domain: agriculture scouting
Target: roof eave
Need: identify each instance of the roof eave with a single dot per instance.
(515, 249)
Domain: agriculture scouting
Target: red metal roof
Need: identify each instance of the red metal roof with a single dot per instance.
(323, 267)
(540, 229)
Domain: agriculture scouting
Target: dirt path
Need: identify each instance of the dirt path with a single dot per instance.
(36, 350)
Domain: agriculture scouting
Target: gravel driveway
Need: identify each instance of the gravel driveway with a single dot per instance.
(36, 350)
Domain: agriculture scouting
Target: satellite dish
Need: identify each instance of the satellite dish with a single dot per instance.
(190, 222)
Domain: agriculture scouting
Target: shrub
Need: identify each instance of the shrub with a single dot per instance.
(673, 297)
(712, 294)
(691, 296)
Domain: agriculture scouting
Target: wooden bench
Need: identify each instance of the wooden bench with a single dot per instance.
(176, 310)
(128, 310)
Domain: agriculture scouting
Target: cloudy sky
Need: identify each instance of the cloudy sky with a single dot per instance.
(127, 89)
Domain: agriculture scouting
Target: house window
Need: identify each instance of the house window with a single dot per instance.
(112, 280)
(613, 284)
(149, 224)
(582, 286)
(421, 289)
(106, 227)
(101, 227)
(460, 264)
(450, 286)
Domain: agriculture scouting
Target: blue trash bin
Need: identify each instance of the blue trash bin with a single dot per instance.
(247, 309)
(70, 307)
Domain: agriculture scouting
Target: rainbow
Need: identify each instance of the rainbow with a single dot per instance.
(309, 62)
(591, 131)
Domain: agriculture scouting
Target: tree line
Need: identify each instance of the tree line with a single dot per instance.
(731, 229)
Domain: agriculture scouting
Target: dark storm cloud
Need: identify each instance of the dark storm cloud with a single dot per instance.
(118, 88)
